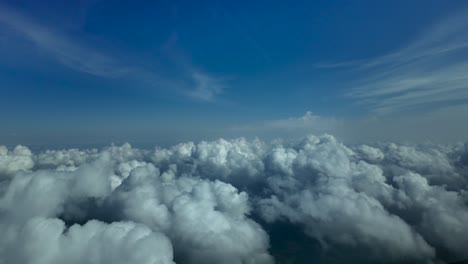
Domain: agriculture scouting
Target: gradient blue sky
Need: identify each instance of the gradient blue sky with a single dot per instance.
(88, 72)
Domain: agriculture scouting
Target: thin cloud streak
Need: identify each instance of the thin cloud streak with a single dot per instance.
(188, 81)
(70, 54)
(432, 69)
(206, 88)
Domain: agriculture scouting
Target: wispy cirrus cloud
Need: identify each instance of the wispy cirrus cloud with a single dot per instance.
(73, 53)
(204, 86)
(207, 88)
(431, 70)
(69, 53)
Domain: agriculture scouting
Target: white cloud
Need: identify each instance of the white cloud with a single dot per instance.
(13, 161)
(444, 213)
(333, 197)
(205, 220)
(48, 241)
(369, 153)
(393, 202)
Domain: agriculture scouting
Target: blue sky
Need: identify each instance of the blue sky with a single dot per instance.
(164, 71)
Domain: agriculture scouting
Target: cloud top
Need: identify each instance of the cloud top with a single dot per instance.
(219, 201)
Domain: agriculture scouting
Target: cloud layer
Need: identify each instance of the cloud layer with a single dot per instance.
(220, 201)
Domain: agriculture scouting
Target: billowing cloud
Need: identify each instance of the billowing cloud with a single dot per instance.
(20, 158)
(218, 201)
(205, 220)
(48, 241)
(90, 198)
(335, 198)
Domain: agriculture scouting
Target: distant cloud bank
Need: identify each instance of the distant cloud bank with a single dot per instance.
(219, 202)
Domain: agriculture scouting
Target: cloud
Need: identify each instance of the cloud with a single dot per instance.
(307, 121)
(440, 125)
(64, 50)
(206, 88)
(13, 161)
(332, 196)
(341, 195)
(443, 213)
(235, 161)
(203, 86)
(205, 220)
(292, 127)
(32, 232)
(75, 54)
(211, 202)
(48, 240)
(428, 72)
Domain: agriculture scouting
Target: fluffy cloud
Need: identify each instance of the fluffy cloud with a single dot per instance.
(64, 159)
(443, 214)
(13, 161)
(236, 161)
(333, 197)
(32, 232)
(49, 241)
(206, 220)
(211, 202)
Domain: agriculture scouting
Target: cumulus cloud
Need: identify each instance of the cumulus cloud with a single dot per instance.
(333, 197)
(205, 220)
(237, 161)
(48, 240)
(211, 202)
(443, 213)
(32, 232)
(20, 158)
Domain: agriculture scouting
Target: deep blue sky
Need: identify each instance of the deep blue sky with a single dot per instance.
(164, 71)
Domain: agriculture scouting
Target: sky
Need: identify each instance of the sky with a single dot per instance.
(161, 72)
(233, 132)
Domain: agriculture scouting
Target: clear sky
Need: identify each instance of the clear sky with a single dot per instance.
(161, 72)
